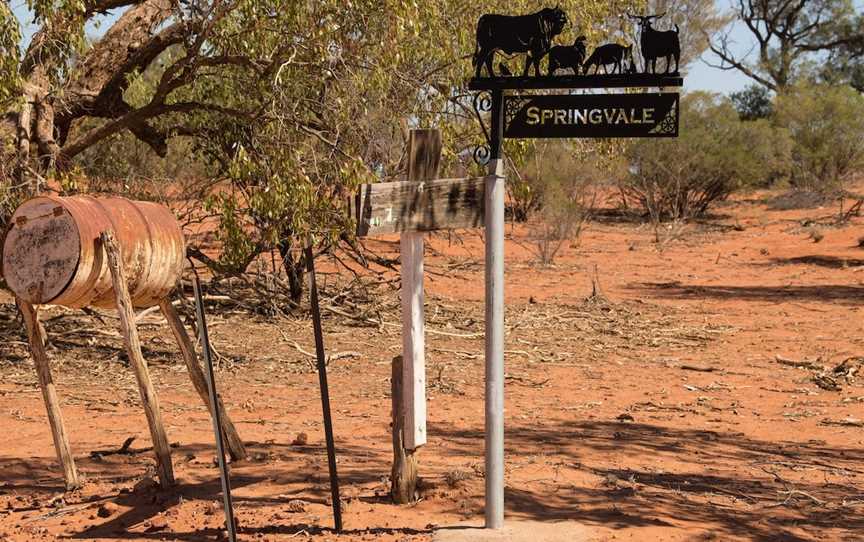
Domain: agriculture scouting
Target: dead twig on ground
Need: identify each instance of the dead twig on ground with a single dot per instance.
(801, 364)
(845, 422)
(698, 368)
(122, 450)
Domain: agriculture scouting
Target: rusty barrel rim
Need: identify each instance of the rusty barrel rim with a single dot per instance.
(24, 269)
(150, 238)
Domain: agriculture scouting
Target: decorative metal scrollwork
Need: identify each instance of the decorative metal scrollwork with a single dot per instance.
(482, 153)
(482, 103)
(669, 124)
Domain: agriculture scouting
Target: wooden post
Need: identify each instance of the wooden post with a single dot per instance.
(424, 155)
(232, 439)
(413, 340)
(49, 394)
(136, 359)
(409, 404)
(403, 477)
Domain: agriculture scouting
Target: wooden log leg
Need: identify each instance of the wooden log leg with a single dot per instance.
(49, 394)
(232, 439)
(403, 478)
(136, 359)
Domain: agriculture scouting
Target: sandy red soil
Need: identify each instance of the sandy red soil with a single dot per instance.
(608, 423)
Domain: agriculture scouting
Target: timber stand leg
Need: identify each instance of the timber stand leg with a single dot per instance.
(49, 394)
(232, 439)
(136, 359)
(403, 477)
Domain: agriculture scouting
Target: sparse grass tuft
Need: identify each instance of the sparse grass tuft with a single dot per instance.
(456, 477)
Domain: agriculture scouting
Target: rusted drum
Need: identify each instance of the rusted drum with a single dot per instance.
(52, 253)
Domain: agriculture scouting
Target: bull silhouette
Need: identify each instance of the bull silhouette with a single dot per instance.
(530, 34)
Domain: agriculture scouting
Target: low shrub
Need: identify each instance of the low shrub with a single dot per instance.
(563, 179)
(715, 155)
(825, 125)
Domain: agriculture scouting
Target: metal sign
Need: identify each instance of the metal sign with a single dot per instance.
(576, 65)
(534, 36)
(591, 115)
(570, 65)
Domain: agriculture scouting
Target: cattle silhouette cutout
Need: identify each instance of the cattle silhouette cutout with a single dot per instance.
(530, 34)
(611, 53)
(657, 44)
(564, 56)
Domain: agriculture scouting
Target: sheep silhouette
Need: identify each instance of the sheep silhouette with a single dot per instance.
(567, 56)
(611, 53)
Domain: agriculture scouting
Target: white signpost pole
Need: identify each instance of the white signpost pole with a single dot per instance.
(494, 219)
(495, 345)
(413, 349)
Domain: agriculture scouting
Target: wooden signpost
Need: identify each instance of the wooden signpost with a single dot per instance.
(412, 206)
(419, 204)
(424, 155)
(423, 203)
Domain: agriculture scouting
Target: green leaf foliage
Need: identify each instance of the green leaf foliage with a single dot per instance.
(825, 124)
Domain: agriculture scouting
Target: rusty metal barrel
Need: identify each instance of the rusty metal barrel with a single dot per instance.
(52, 253)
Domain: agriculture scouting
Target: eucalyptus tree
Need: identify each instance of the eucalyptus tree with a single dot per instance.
(792, 39)
(292, 103)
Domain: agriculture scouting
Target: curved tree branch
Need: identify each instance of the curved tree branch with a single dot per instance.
(101, 77)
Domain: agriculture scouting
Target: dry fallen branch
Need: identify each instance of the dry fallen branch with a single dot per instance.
(801, 364)
(527, 382)
(698, 368)
(845, 422)
(792, 493)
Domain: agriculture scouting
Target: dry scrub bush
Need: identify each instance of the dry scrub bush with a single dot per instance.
(828, 134)
(563, 177)
(715, 155)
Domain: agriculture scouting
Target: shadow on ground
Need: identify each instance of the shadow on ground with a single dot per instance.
(843, 294)
(765, 505)
(789, 485)
(831, 262)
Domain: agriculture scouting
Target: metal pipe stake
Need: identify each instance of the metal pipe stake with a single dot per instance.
(325, 393)
(214, 410)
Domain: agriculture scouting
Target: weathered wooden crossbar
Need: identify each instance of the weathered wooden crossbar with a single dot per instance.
(404, 206)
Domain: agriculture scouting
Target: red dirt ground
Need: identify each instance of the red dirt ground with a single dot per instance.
(660, 413)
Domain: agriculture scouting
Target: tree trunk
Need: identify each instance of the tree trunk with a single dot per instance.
(294, 269)
(95, 86)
